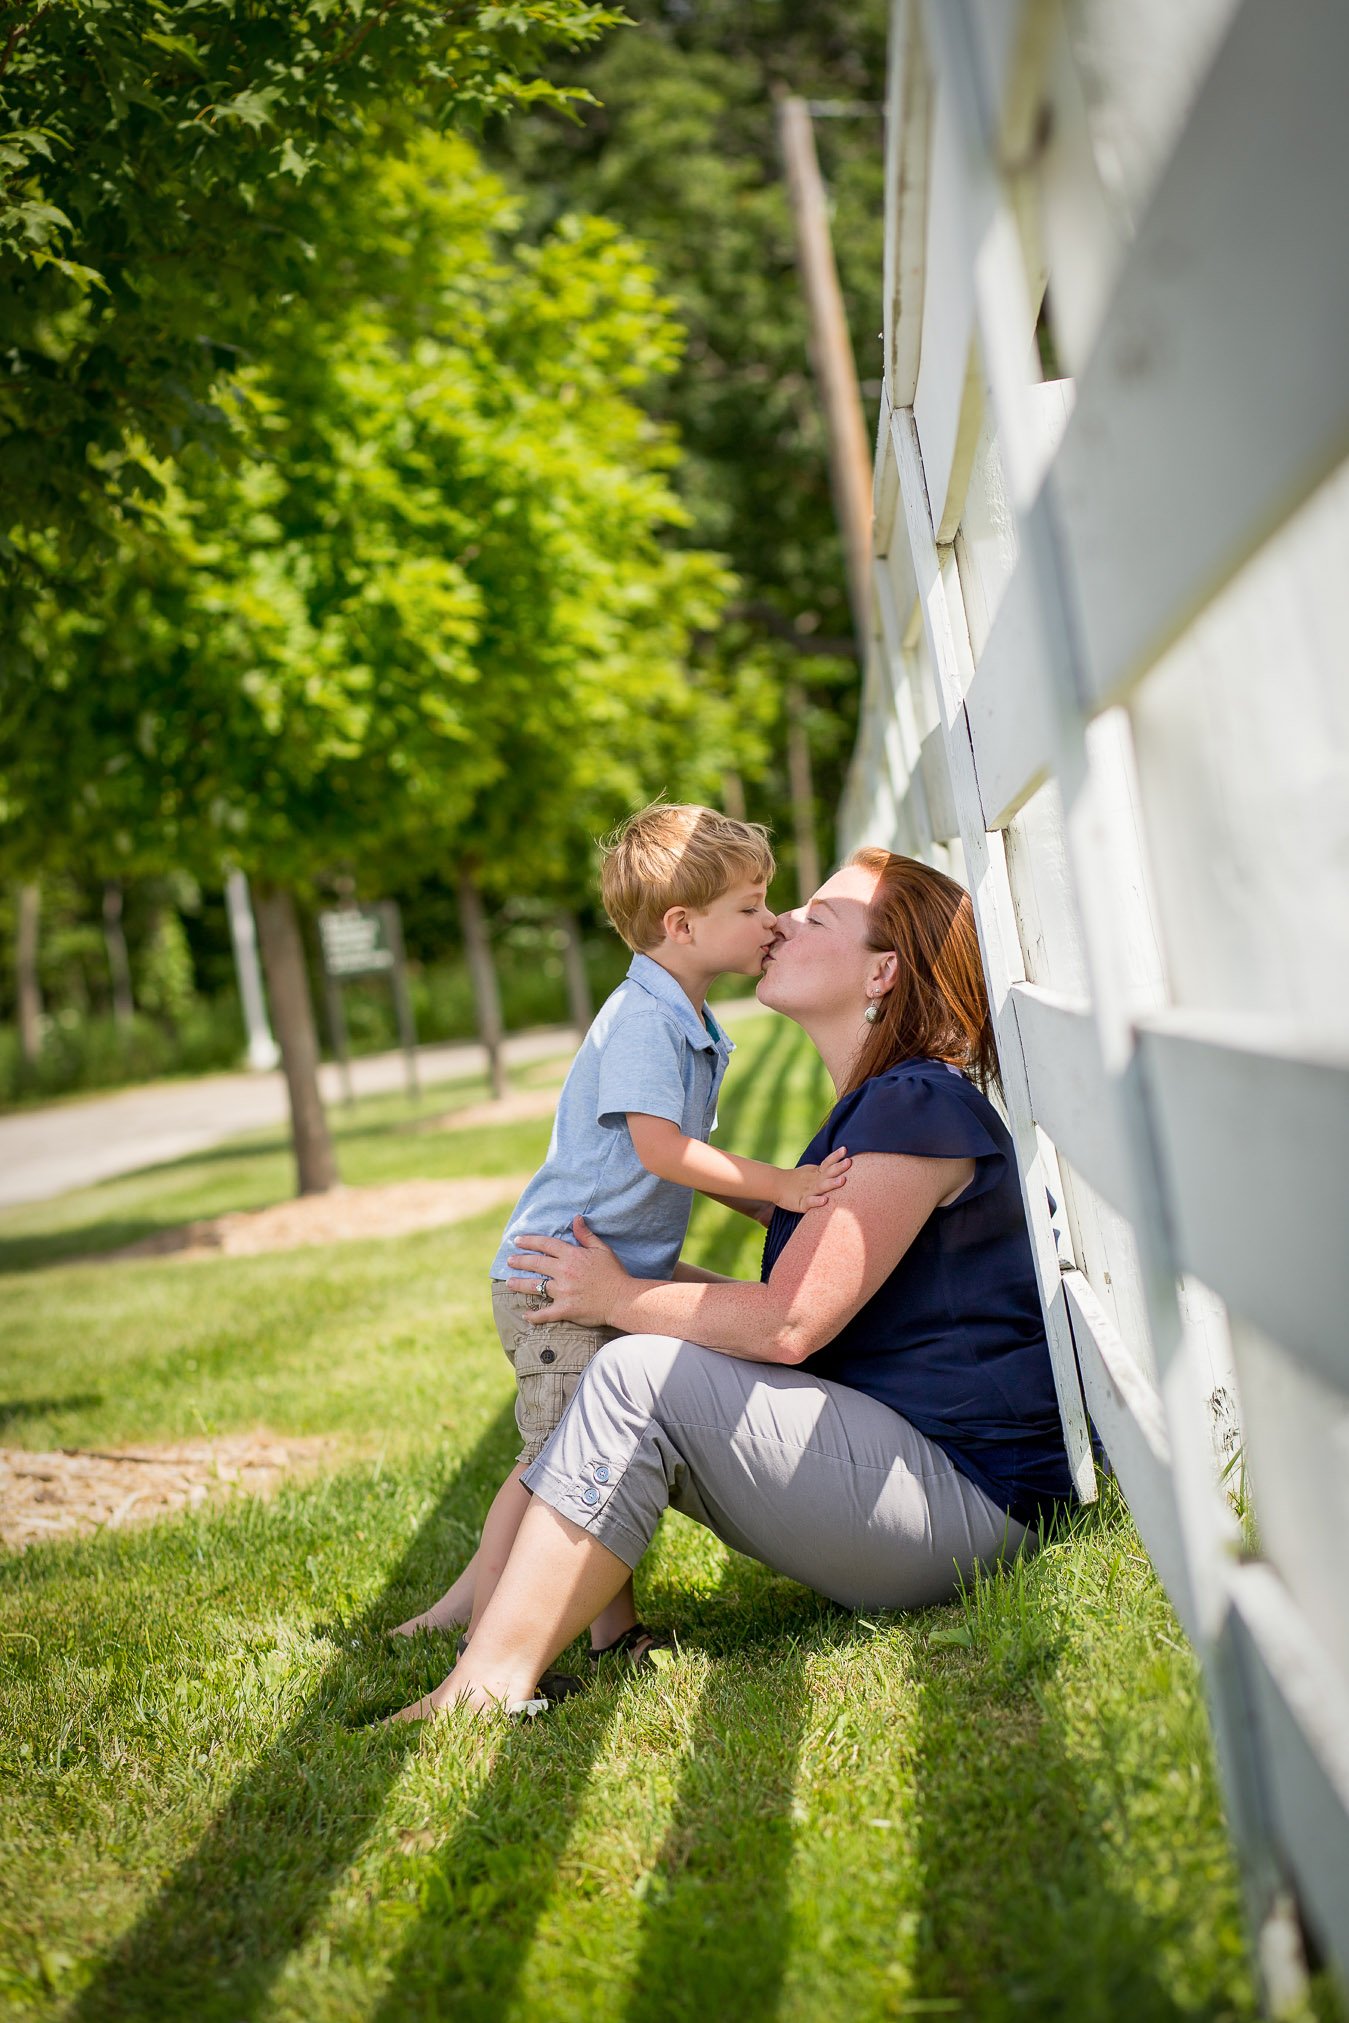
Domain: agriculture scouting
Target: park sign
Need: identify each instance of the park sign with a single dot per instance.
(366, 941)
(355, 942)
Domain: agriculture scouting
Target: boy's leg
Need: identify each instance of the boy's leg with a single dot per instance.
(498, 1536)
(610, 1624)
(544, 1389)
(453, 1609)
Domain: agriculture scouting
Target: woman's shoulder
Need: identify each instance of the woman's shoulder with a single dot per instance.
(923, 1107)
(918, 1073)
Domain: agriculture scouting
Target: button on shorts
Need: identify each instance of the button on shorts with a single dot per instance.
(548, 1361)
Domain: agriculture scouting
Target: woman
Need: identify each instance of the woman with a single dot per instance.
(877, 1416)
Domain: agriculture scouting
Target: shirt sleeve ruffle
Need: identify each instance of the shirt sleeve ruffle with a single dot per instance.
(927, 1115)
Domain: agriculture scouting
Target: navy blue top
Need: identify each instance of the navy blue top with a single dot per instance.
(954, 1339)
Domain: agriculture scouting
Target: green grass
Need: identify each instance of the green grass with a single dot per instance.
(1001, 1808)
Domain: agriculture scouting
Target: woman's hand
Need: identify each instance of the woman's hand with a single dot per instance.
(585, 1279)
(805, 1187)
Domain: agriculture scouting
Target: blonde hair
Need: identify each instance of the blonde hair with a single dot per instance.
(676, 854)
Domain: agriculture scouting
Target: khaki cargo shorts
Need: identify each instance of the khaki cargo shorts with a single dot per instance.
(548, 1361)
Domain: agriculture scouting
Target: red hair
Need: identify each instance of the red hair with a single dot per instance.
(938, 1007)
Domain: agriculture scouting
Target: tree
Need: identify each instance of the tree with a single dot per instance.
(679, 149)
(161, 184)
(412, 620)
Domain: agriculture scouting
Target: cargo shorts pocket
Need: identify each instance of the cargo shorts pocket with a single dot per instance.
(548, 1367)
(556, 1348)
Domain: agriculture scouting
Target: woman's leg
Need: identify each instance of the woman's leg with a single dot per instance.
(499, 1531)
(815, 1479)
(810, 1477)
(556, 1580)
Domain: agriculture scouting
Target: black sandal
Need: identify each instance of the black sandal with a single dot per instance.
(555, 1686)
(644, 1650)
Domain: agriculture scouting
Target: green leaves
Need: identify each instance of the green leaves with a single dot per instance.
(156, 183)
(426, 605)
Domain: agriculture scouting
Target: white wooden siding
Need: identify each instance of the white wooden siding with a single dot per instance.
(1107, 688)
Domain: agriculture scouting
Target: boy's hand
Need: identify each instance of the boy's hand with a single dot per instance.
(811, 1186)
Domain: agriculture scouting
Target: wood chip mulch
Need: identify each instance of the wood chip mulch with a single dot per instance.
(80, 1490)
(345, 1215)
(523, 1108)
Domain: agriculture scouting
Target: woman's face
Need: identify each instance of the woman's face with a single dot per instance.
(819, 963)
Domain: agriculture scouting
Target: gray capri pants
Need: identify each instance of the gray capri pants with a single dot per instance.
(813, 1478)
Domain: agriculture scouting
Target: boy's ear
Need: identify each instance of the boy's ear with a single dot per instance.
(675, 921)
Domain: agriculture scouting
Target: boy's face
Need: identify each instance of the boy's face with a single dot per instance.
(735, 932)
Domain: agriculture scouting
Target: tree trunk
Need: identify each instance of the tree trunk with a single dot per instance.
(288, 990)
(803, 793)
(114, 940)
(486, 996)
(28, 989)
(579, 1001)
(733, 795)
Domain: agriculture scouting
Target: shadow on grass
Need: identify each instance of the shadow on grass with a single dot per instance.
(1038, 1904)
(714, 1920)
(716, 1928)
(88, 1243)
(224, 1924)
(481, 1896)
(14, 1411)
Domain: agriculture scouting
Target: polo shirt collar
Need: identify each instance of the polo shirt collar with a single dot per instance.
(659, 983)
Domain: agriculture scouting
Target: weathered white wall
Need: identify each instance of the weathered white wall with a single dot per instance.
(1108, 688)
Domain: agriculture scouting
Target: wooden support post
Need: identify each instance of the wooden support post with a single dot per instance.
(831, 356)
(337, 1034)
(803, 793)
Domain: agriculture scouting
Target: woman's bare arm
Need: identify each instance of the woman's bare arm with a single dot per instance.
(833, 1263)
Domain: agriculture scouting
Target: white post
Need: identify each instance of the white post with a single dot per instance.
(263, 1051)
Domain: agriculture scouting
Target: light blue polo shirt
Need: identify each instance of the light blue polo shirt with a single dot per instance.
(648, 1050)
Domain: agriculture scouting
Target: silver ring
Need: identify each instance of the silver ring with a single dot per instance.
(541, 1289)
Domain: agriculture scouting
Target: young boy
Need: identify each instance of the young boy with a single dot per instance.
(686, 888)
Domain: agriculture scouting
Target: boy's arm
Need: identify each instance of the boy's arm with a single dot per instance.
(757, 1211)
(665, 1151)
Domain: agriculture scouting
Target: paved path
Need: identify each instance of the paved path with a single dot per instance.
(45, 1152)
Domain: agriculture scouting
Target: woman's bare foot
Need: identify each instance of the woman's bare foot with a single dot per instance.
(458, 1690)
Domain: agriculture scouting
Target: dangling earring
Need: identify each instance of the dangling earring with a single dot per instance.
(872, 1013)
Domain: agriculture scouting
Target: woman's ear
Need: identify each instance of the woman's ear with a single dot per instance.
(884, 974)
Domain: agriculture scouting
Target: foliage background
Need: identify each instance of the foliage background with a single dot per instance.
(176, 197)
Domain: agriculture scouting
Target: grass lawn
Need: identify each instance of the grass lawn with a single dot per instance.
(1001, 1808)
